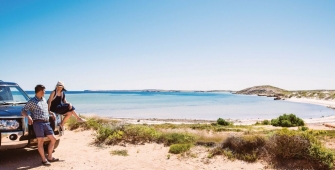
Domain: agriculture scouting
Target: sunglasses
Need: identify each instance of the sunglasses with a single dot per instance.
(60, 86)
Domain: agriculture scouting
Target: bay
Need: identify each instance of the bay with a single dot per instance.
(187, 105)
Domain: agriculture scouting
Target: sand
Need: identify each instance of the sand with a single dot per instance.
(76, 151)
(327, 103)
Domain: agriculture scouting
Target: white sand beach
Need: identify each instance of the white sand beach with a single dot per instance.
(327, 103)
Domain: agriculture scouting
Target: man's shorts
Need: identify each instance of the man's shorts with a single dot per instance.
(42, 128)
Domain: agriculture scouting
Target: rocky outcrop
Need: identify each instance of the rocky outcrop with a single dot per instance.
(269, 91)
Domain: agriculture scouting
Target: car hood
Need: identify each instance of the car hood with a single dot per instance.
(10, 110)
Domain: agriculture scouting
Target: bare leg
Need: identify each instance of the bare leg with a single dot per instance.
(51, 146)
(67, 117)
(74, 113)
(40, 142)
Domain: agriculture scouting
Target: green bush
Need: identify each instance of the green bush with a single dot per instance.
(322, 155)
(92, 123)
(247, 147)
(177, 138)
(140, 134)
(104, 132)
(119, 152)
(179, 148)
(285, 120)
(222, 122)
(290, 144)
(303, 128)
(266, 122)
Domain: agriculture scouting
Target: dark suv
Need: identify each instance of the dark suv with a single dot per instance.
(15, 132)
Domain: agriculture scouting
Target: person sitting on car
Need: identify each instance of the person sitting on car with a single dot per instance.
(57, 103)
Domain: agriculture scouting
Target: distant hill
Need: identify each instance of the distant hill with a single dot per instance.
(281, 94)
(265, 90)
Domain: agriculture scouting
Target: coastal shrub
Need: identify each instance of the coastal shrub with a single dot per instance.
(245, 147)
(177, 138)
(115, 137)
(119, 152)
(91, 123)
(287, 120)
(264, 122)
(110, 133)
(332, 96)
(289, 144)
(140, 134)
(222, 122)
(303, 128)
(104, 132)
(179, 148)
(321, 95)
(72, 124)
(322, 155)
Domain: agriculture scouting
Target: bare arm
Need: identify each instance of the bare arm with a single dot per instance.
(25, 114)
(70, 105)
(49, 105)
(50, 100)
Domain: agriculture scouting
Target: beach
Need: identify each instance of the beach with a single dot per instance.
(327, 103)
(77, 151)
(319, 121)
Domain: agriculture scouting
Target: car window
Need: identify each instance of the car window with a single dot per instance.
(12, 94)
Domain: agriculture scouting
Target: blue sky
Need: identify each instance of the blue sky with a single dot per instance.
(172, 44)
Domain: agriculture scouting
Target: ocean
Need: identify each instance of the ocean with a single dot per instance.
(187, 105)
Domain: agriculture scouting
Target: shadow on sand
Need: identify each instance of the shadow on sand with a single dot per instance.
(19, 159)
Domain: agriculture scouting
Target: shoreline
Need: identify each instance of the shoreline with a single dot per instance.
(327, 103)
(153, 121)
(315, 121)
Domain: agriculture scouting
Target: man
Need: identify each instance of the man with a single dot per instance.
(39, 118)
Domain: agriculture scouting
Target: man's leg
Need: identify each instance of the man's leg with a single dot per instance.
(40, 142)
(39, 132)
(51, 145)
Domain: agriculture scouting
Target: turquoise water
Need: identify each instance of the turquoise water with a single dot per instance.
(188, 105)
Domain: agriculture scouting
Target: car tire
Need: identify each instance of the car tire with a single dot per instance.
(46, 146)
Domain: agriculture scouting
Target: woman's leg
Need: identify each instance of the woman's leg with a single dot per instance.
(69, 114)
(66, 117)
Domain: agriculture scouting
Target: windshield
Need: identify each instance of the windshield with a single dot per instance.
(12, 94)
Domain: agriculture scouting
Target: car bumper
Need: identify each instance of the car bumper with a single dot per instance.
(24, 138)
(16, 140)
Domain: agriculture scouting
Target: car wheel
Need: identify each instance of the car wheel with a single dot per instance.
(46, 146)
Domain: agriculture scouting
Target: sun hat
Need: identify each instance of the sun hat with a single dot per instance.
(59, 83)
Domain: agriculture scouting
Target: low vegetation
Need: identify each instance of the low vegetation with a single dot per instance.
(223, 122)
(303, 147)
(179, 148)
(289, 120)
(122, 152)
(315, 94)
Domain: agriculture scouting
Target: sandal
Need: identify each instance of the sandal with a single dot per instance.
(46, 163)
(61, 128)
(53, 159)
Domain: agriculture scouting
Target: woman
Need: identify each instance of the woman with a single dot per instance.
(57, 103)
